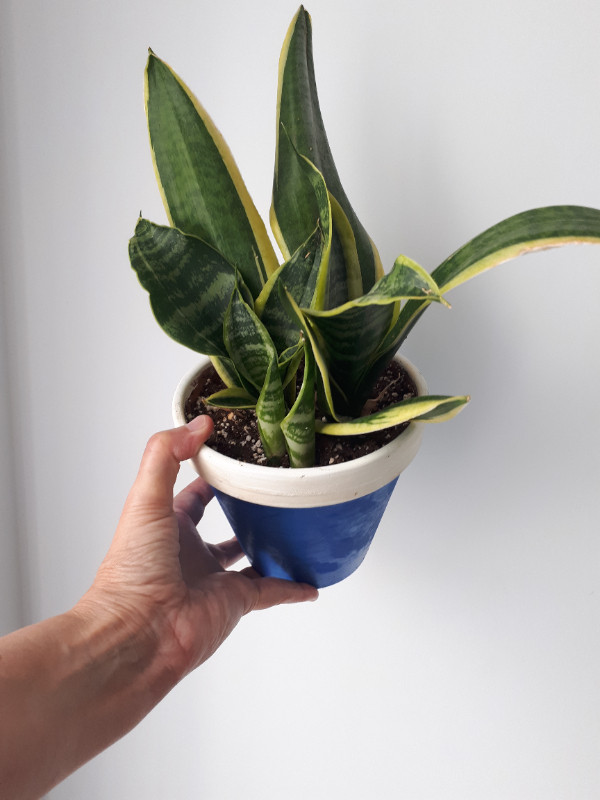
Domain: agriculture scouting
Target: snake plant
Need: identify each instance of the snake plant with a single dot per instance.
(328, 309)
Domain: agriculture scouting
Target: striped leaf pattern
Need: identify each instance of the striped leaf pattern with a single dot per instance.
(215, 284)
(350, 334)
(289, 362)
(270, 412)
(189, 282)
(202, 189)
(255, 358)
(226, 371)
(536, 229)
(248, 343)
(299, 120)
(310, 336)
(430, 408)
(299, 425)
(299, 276)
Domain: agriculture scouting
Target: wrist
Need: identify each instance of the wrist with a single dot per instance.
(124, 646)
(69, 687)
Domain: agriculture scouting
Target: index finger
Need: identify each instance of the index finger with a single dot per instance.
(193, 499)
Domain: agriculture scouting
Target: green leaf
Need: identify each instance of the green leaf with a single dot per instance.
(306, 197)
(201, 186)
(248, 343)
(343, 227)
(299, 275)
(307, 204)
(324, 389)
(231, 397)
(255, 359)
(299, 425)
(430, 408)
(537, 229)
(351, 335)
(189, 282)
(270, 411)
(407, 280)
(299, 115)
(291, 355)
(226, 370)
(289, 362)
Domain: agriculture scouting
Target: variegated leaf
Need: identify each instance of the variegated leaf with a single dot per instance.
(299, 425)
(190, 285)
(347, 239)
(289, 362)
(299, 275)
(255, 358)
(351, 334)
(270, 412)
(324, 387)
(307, 201)
(226, 370)
(201, 186)
(231, 397)
(537, 229)
(248, 343)
(430, 408)
(299, 116)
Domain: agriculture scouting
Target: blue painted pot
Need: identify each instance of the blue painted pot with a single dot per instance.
(312, 525)
(320, 545)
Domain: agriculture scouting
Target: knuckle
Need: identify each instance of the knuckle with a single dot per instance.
(157, 441)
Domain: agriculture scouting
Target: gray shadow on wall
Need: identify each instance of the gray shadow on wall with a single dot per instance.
(13, 589)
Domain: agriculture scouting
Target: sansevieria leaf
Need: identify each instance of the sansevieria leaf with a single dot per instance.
(255, 358)
(430, 408)
(270, 411)
(299, 120)
(299, 275)
(299, 425)
(202, 189)
(248, 343)
(310, 335)
(537, 229)
(306, 274)
(351, 334)
(226, 370)
(216, 286)
(189, 282)
(231, 397)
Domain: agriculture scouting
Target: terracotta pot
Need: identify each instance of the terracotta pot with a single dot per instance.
(313, 525)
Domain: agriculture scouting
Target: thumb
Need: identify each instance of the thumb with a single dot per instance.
(162, 457)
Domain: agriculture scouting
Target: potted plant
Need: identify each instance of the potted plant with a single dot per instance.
(299, 345)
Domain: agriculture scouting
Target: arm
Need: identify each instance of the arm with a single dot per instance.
(161, 604)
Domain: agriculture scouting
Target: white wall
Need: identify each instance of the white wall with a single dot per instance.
(462, 660)
(12, 555)
(11, 590)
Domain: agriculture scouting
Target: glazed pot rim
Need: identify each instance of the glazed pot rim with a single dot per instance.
(303, 487)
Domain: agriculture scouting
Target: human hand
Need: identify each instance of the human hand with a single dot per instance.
(161, 603)
(159, 576)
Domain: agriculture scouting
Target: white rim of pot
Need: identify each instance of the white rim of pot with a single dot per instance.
(305, 487)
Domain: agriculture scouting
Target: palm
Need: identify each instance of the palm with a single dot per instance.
(161, 576)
